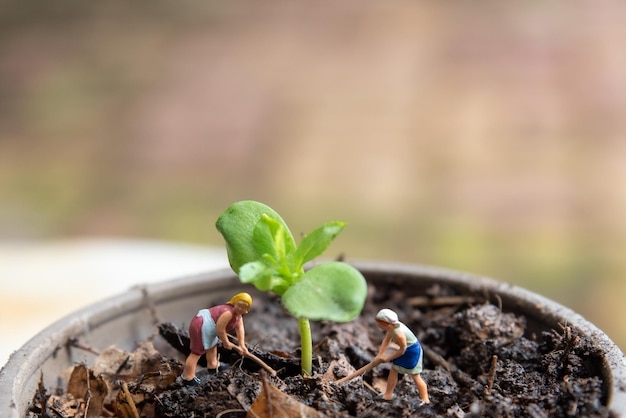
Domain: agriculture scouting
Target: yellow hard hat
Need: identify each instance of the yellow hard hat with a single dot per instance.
(241, 297)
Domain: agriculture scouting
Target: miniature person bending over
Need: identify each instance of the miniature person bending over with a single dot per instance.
(407, 359)
(209, 325)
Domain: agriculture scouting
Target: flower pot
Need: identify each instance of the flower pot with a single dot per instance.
(126, 319)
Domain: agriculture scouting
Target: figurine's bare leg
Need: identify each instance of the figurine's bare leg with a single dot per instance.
(392, 381)
(421, 387)
(190, 366)
(211, 358)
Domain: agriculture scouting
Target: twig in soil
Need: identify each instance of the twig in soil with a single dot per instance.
(458, 375)
(125, 400)
(107, 413)
(437, 359)
(57, 412)
(147, 375)
(122, 366)
(570, 338)
(492, 374)
(150, 304)
(499, 318)
(228, 411)
(73, 342)
(463, 378)
(88, 393)
(424, 301)
(499, 302)
(238, 364)
(266, 388)
(262, 341)
(44, 398)
(255, 358)
(370, 387)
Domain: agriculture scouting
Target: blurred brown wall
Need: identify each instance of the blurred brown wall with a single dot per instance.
(481, 137)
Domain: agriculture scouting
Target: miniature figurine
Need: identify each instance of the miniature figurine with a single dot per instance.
(407, 359)
(209, 325)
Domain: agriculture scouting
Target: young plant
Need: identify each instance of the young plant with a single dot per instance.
(262, 251)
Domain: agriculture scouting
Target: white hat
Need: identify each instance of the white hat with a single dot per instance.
(387, 315)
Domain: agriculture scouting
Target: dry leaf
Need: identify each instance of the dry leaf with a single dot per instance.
(66, 405)
(144, 368)
(85, 385)
(272, 403)
(124, 405)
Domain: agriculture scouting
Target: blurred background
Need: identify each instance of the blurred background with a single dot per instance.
(480, 137)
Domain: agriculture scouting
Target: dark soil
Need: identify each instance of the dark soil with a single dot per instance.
(479, 362)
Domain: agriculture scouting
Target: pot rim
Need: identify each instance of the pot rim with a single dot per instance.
(25, 364)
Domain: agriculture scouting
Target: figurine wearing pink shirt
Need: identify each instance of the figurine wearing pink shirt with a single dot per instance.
(212, 324)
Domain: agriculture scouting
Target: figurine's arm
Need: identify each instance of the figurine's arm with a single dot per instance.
(241, 337)
(383, 346)
(221, 324)
(399, 339)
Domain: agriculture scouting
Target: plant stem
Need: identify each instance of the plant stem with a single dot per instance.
(306, 346)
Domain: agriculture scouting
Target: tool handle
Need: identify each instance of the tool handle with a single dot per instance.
(369, 366)
(261, 363)
(253, 357)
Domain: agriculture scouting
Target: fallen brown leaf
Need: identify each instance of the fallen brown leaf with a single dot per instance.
(272, 403)
(84, 384)
(124, 405)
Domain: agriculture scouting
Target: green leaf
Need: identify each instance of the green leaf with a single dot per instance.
(317, 241)
(273, 240)
(255, 272)
(333, 291)
(263, 277)
(237, 224)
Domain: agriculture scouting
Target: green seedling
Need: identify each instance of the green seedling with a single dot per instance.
(262, 251)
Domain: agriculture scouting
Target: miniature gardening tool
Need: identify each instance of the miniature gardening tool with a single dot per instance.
(260, 363)
(254, 358)
(369, 366)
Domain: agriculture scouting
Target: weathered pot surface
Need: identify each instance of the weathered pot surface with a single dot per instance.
(125, 319)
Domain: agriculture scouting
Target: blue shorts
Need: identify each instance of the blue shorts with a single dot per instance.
(411, 361)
